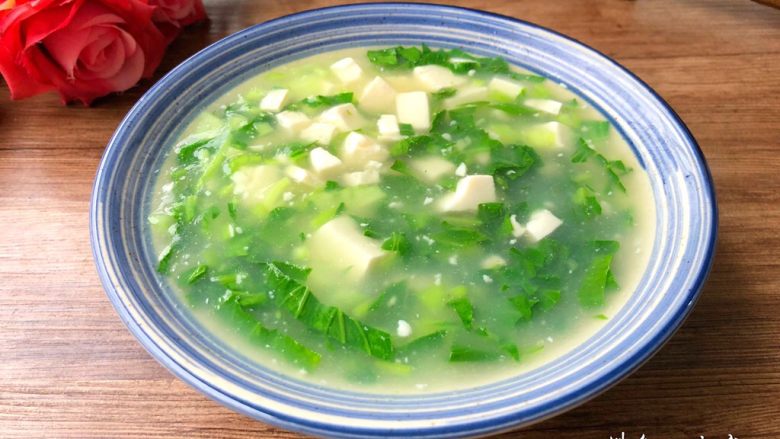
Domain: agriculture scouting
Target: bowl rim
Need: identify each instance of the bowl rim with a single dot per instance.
(577, 397)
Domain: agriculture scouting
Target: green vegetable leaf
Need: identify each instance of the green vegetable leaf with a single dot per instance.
(512, 161)
(291, 294)
(465, 311)
(444, 93)
(593, 286)
(458, 61)
(583, 151)
(397, 242)
(197, 273)
(524, 305)
(460, 353)
(585, 198)
(326, 101)
(595, 129)
(406, 129)
(289, 348)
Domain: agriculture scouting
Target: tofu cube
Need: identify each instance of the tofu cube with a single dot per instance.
(517, 229)
(292, 120)
(541, 224)
(492, 261)
(506, 87)
(345, 117)
(432, 168)
(369, 176)
(300, 175)
(347, 70)
(467, 96)
(252, 182)
(321, 133)
(434, 78)
(548, 135)
(274, 100)
(388, 128)
(378, 96)
(546, 105)
(413, 108)
(470, 192)
(323, 162)
(359, 149)
(340, 245)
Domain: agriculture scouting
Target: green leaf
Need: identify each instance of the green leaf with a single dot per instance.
(444, 93)
(458, 61)
(586, 200)
(524, 305)
(164, 260)
(326, 101)
(492, 215)
(593, 286)
(331, 185)
(186, 154)
(459, 353)
(290, 349)
(458, 237)
(292, 295)
(583, 151)
(595, 129)
(512, 161)
(549, 298)
(406, 129)
(465, 311)
(401, 167)
(197, 273)
(397, 242)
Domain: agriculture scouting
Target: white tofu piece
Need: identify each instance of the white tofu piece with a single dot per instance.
(319, 132)
(300, 175)
(413, 108)
(292, 120)
(345, 117)
(470, 192)
(359, 149)
(388, 128)
(434, 78)
(432, 168)
(461, 170)
(404, 329)
(492, 261)
(274, 100)
(340, 242)
(323, 162)
(546, 105)
(549, 135)
(347, 70)
(378, 96)
(467, 96)
(509, 88)
(252, 182)
(517, 229)
(369, 176)
(541, 224)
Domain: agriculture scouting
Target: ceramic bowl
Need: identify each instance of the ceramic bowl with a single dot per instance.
(680, 261)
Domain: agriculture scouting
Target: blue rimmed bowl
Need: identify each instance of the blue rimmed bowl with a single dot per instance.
(680, 260)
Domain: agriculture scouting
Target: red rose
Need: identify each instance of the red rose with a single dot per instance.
(172, 15)
(84, 49)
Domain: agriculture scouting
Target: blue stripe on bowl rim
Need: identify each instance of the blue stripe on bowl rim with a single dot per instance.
(682, 254)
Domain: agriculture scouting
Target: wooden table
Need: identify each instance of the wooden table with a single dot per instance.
(69, 368)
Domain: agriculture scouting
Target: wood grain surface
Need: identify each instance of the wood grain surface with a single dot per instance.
(69, 368)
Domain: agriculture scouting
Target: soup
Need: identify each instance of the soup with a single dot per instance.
(401, 220)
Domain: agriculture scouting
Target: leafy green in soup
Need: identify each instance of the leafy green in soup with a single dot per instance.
(401, 219)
